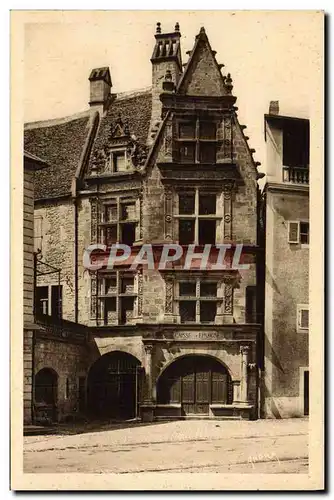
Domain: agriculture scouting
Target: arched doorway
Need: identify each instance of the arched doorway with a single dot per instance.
(113, 387)
(45, 401)
(195, 382)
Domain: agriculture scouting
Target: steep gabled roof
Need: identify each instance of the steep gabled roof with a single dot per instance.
(202, 74)
(60, 143)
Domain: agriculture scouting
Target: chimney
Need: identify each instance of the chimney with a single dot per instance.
(100, 85)
(274, 108)
(166, 60)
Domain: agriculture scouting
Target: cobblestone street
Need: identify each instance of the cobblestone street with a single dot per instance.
(263, 446)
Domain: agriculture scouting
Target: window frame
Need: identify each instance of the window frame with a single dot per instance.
(119, 222)
(298, 241)
(198, 298)
(197, 139)
(299, 327)
(196, 216)
(118, 293)
(110, 162)
(49, 300)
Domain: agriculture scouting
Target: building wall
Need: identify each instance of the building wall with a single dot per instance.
(28, 289)
(68, 361)
(286, 349)
(58, 249)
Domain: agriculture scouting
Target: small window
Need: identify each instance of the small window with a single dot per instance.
(128, 211)
(186, 231)
(110, 312)
(187, 203)
(304, 233)
(298, 232)
(110, 285)
(188, 311)
(187, 152)
(293, 232)
(208, 289)
(56, 301)
(128, 233)
(127, 304)
(207, 130)
(208, 311)
(187, 130)
(67, 388)
(110, 213)
(119, 162)
(207, 152)
(187, 289)
(127, 284)
(207, 232)
(302, 317)
(42, 300)
(207, 204)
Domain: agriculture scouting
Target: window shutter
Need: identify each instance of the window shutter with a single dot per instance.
(293, 232)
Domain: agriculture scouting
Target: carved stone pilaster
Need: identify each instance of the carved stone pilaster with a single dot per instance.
(94, 213)
(228, 211)
(140, 215)
(93, 302)
(244, 352)
(140, 294)
(168, 214)
(168, 143)
(148, 369)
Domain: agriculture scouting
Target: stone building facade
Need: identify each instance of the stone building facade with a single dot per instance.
(169, 164)
(286, 216)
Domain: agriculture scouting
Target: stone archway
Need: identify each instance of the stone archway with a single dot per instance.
(113, 387)
(195, 382)
(45, 396)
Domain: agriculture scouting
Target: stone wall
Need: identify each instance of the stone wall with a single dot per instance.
(58, 249)
(286, 348)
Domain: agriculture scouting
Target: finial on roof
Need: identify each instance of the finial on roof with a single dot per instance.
(158, 28)
(177, 27)
(202, 30)
(228, 83)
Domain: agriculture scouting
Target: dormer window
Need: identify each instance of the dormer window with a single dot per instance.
(196, 141)
(118, 162)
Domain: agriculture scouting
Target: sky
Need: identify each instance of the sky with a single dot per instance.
(271, 55)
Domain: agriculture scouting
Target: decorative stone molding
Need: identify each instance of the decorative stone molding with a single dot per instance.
(228, 302)
(169, 299)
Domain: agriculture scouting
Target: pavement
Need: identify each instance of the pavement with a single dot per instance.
(262, 446)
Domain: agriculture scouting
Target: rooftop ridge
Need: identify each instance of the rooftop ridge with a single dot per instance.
(133, 93)
(57, 121)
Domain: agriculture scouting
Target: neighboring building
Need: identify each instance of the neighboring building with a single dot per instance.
(169, 164)
(287, 233)
(31, 164)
